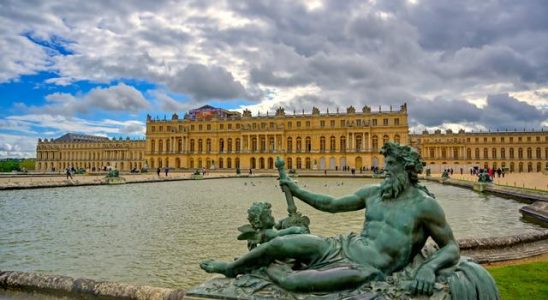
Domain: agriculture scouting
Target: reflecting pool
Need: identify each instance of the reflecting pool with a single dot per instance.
(157, 233)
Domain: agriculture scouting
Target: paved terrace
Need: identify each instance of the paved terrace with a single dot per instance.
(533, 181)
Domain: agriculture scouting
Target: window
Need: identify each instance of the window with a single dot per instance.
(322, 144)
(511, 153)
(229, 126)
(161, 128)
(289, 144)
(308, 144)
(342, 146)
(200, 127)
(502, 139)
(299, 124)
(485, 153)
(494, 153)
(332, 144)
(503, 153)
(359, 123)
(511, 139)
(374, 122)
(153, 128)
(342, 123)
(322, 124)
(332, 123)
(375, 142)
(397, 121)
(307, 124)
(289, 124)
(385, 122)
(222, 126)
(191, 127)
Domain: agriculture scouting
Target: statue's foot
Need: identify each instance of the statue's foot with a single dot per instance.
(213, 266)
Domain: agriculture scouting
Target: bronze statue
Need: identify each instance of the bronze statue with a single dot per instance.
(400, 216)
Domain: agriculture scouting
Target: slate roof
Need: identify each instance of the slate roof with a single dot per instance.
(75, 137)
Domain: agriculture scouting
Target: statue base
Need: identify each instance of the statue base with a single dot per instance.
(197, 176)
(114, 180)
(467, 280)
(479, 186)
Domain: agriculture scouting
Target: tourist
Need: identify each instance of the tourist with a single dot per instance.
(250, 172)
(158, 171)
(68, 173)
(166, 170)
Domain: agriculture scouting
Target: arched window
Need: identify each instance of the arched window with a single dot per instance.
(160, 146)
(397, 138)
(477, 153)
(153, 146)
(375, 142)
(485, 153)
(308, 141)
(503, 153)
(254, 144)
(299, 163)
(322, 143)
(529, 154)
(385, 139)
(289, 144)
(307, 163)
(208, 149)
(168, 146)
(238, 145)
(332, 144)
(299, 144)
(200, 149)
(468, 153)
(520, 155)
(229, 146)
(538, 153)
(511, 153)
(192, 146)
(342, 144)
(494, 153)
(358, 143)
(221, 147)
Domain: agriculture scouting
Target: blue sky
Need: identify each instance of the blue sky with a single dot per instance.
(99, 67)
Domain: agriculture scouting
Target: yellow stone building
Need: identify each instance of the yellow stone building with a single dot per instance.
(517, 151)
(89, 152)
(217, 139)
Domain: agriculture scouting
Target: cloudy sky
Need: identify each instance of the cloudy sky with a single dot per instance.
(98, 67)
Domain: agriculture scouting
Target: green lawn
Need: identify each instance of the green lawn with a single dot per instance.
(527, 281)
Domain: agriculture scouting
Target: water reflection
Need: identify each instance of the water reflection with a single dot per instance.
(155, 234)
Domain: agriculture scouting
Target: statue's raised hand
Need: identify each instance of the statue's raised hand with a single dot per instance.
(292, 185)
(424, 281)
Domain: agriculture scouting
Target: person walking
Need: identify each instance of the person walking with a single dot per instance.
(166, 170)
(69, 175)
(158, 172)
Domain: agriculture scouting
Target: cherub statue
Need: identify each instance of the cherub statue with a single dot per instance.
(260, 228)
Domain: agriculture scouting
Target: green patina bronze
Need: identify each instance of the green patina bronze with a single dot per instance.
(484, 177)
(445, 175)
(388, 258)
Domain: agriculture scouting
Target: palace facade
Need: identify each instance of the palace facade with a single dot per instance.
(215, 138)
(89, 152)
(516, 151)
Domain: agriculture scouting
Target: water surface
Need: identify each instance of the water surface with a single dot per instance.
(157, 233)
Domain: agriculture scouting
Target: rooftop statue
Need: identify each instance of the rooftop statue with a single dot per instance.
(385, 259)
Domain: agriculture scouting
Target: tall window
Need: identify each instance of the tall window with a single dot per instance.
(299, 145)
(308, 144)
(289, 144)
(332, 144)
(502, 153)
(468, 153)
(511, 153)
(375, 142)
(494, 153)
(342, 146)
(529, 153)
(384, 139)
(322, 144)
(397, 137)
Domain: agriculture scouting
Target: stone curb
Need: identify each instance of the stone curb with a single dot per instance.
(64, 285)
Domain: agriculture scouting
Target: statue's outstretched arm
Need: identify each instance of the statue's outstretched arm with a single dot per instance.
(328, 203)
(448, 255)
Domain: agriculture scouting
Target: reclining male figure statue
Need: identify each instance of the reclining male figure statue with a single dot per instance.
(400, 216)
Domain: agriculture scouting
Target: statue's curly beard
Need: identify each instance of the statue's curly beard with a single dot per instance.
(394, 185)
